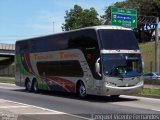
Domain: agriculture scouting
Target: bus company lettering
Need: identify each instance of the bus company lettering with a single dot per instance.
(42, 57)
(63, 55)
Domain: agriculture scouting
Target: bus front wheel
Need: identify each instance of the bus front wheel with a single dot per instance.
(81, 90)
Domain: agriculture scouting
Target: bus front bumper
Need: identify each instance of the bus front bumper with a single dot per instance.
(113, 90)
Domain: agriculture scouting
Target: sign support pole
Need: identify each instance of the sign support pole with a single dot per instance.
(156, 47)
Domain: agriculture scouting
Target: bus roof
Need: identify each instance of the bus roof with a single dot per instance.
(92, 27)
(106, 27)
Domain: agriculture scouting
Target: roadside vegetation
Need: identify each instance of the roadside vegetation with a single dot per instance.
(7, 80)
(3, 58)
(148, 51)
(148, 91)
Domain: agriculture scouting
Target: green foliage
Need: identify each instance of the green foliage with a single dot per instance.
(144, 7)
(3, 58)
(147, 91)
(7, 80)
(79, 18)
(148, 51)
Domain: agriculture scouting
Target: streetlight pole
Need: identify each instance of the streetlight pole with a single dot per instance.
(156, 47)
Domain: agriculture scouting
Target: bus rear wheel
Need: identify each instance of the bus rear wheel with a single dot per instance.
(28, 85)
(35, 86)
(81, 91)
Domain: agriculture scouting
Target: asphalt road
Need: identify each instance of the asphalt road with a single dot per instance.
(92, 105)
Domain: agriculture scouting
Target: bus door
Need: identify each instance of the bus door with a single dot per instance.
(95, 82)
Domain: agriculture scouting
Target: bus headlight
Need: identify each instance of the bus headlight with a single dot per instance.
(110, 84)
(107, 84)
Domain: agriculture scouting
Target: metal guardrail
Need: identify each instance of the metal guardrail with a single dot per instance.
(7, 49)
(4, 46)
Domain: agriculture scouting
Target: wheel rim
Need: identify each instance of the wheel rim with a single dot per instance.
(82, 90)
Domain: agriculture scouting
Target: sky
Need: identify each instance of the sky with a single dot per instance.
(22, 19)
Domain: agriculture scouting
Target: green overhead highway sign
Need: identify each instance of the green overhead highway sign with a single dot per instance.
(124, 17)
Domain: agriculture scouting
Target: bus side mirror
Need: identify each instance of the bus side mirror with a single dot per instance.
(97, 67)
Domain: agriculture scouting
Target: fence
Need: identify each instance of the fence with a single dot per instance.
(7, 71)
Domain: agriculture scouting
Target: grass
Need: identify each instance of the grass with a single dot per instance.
(7, 80)
(148, 51)
(148, 91)
(3, 58)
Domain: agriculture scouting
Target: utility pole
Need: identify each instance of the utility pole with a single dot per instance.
(156, 47)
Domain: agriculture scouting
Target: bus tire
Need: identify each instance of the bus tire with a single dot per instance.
(81, 90)
(35, 86)
(115, 96)
(28, 85)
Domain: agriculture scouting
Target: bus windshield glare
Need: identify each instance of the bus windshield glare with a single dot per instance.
(122, 65)
(118, 39)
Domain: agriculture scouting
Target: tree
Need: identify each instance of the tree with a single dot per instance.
(79, 18)
(147, 12)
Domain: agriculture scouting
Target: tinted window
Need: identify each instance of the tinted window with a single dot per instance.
(60, 68)
(75, 39)
(118, 66)
(83, 39)
(118, 39)
(86, 41)
(22, 47)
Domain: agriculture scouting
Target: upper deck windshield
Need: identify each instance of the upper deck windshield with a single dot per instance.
(118, 39)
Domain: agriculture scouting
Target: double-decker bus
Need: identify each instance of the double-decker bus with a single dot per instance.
(99, 60)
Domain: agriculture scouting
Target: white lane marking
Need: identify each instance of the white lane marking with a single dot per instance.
(40, 113)
(45, 109)
(15, 106)
(155, 110)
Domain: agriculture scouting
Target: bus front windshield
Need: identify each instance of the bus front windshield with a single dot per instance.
(122, 65)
